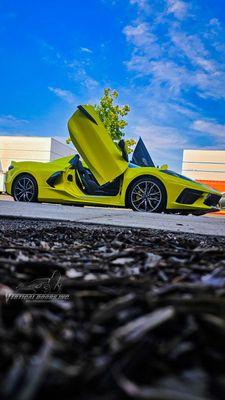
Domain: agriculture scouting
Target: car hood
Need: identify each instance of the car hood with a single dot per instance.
(189, 181)
(95, 145)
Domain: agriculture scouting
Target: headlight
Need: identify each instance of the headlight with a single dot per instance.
(10, 167)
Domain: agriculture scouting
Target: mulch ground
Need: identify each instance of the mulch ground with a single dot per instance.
(145, 317)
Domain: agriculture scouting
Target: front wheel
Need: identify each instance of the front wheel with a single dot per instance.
(147, 194)
(25, 188)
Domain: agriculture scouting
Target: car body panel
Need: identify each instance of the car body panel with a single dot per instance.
(95, 145)
(57, 181)
(67, 192)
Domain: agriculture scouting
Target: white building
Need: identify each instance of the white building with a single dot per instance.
(206, 166)
(29, 148)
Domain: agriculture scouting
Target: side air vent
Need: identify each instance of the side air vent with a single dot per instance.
(189, 196)
(52, 180)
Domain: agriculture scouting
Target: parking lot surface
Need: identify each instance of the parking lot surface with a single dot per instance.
(114, 217)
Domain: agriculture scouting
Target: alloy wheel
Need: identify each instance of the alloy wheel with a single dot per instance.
(24, 189)
(146, 196)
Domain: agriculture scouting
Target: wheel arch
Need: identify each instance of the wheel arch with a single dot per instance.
(137, 178)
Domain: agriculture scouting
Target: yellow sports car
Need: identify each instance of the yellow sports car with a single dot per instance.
(106, 177)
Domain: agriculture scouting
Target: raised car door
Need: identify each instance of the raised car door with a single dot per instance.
(95, 145)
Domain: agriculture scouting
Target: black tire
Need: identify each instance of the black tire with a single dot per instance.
(139, 196)
(25, 188)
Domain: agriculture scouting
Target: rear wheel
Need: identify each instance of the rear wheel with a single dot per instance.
(25, 188)
(147, 194)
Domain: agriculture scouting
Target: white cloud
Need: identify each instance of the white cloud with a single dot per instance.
(194, 49)
(162, 72)
(210, 85)
(160, 137)
(90, 83)
(168, 60)
(186, 61)
(10, 121)
(79, 74)
(178, 8)
(164, 143)
(212, 34)
(86, 50)
(141, 4)
(186, 111)
(49, 53)
(63, 94)
(178, 78)
(211, 128)
(76, 70)
(214, 22)
(142, 38)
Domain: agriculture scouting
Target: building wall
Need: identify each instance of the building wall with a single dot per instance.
(59, 149)
(206, 166)
(218, 185)
(28, 148)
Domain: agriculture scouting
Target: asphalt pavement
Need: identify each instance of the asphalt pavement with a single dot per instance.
(114, 217)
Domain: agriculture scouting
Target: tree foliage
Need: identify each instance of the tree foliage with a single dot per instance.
(112, 115)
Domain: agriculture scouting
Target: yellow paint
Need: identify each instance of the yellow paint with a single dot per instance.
(68, 192)
(96, 146)
(105, 161)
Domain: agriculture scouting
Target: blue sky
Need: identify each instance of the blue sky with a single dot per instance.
(166, 58)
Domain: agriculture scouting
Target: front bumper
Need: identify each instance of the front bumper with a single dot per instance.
(190, 196)
(212, 200)
(194, 198)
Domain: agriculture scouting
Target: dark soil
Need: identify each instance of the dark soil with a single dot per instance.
(145, 317)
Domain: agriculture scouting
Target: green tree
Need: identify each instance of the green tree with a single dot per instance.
(112, 115)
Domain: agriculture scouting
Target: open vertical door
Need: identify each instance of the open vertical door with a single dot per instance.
(95, 145)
